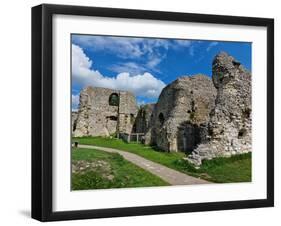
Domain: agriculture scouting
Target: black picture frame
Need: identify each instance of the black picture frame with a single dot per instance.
(42, 111)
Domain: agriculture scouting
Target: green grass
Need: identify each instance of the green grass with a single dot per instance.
(148, 152)
(115, 172)
(237, 168)
(221, 170)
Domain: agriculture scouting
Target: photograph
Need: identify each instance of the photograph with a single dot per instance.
(152, 111)
(140, 112)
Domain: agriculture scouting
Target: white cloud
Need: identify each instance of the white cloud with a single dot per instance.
(142, 102)
(75, 102)
(211, 45)
(129, 67)
(153, 51)
(191, 50)
(123, 47)
(154, 61)
(145, 84)
(184, 43)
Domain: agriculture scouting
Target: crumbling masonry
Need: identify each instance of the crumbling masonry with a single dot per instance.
(203, 117)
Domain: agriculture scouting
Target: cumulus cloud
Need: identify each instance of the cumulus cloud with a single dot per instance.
(151, 50)
(144, 84)
(75, 102)
(129, 67)
(127, 48)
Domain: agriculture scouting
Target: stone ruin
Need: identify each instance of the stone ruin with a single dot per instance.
(181, 113)
(229, 127)
(202, 117)
(104, 112)
(143, 121)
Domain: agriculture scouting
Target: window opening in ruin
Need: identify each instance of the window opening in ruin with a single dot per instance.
(113, 118)
(247, 113)
(241, 133)
(114, 99)
(161, 118)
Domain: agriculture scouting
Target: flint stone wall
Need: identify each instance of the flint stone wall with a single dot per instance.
(207, 118)
(144, 122)
(181, 111)
(229, 128)
(96, 117)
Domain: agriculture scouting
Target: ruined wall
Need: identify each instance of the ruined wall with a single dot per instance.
(204, 117)
(230, 121)
(96, 117)
(127, 112)
(183, 104)
(143, 120)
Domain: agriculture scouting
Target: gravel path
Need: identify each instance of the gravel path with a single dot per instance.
(171, 176)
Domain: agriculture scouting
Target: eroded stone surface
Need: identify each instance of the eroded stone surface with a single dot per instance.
(208, 118)
(229, 127)
(103, 112)
(180, 114)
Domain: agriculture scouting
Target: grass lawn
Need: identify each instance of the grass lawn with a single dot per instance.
(221, 170)
(95, 169)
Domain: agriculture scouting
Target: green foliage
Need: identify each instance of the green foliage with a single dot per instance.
(123, 173)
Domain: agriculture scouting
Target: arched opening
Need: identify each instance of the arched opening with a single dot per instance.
(113, 118)
(161, 118)
(242, 133)
(113, 99)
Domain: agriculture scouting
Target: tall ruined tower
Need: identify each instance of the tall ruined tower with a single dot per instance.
(230, 125)
(103, 112)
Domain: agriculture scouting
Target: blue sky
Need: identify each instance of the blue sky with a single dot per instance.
(144, 66)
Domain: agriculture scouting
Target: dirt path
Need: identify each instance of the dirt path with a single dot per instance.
(171, 176)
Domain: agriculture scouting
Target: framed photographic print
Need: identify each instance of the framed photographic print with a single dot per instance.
(145, 112)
